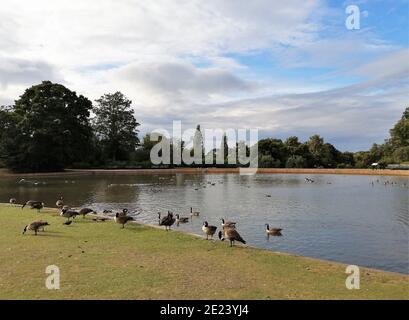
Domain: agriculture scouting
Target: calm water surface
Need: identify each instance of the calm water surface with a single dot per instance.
(338, 217)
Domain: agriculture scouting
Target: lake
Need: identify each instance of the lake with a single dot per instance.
(341, 218)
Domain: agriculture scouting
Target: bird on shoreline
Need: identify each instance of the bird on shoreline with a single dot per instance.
(167, 221)
(67, 213)
(60, 202)
(34, 205)
(35, 226)
(122, 219)
(228, 224)
(273, 231)
(232, 235)
(124, 212)
(84, 211)
(208, 230)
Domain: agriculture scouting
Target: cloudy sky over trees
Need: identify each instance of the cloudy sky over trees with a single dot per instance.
(287, 68)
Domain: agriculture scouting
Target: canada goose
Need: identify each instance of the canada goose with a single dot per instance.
(268, 195)
(107, 211)
(68, 213)
(167, 221)
(181, 219)
(232, 235)
(273, 231)
(228, 224)
(194, 213)
(124, 212)
(122, 219)
(37, 206)
(208, 230)
(13, 201)
(34, 205)
(28, 203)
(60, 202)
(85, 211)
(35, 226)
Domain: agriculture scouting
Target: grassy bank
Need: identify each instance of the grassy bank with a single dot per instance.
(376, 172)
(98, 260)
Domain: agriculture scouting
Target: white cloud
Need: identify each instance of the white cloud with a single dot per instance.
(25, 72)
(179, 80)
(175, 60)
(360, 114)
(394, 65)
(344, 52)
(78, 32)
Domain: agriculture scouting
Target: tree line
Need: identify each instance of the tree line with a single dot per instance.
(50, 128)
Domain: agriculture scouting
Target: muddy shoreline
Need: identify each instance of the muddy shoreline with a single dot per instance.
(73, 172)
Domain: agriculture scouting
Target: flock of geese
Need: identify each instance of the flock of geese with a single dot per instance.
(389, 183)
(228, 230)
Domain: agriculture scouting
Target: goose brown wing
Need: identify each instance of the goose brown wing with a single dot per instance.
(164, 221)
(234, 235)
(85, 211)
(124, 219)
(35, 224)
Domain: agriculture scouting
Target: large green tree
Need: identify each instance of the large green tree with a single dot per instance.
(46, 130)
(400, 132)
(397, 147)
(394, 150)
(275, 149)
(323, 154)
(115, 126)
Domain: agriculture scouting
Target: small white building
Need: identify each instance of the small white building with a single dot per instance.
(375, 165)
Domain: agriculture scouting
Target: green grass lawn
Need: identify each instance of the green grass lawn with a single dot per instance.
(98, 260)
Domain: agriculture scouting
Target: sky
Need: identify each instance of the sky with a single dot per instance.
(283, 67)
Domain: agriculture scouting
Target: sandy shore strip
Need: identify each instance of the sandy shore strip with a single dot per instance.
(73, 172)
